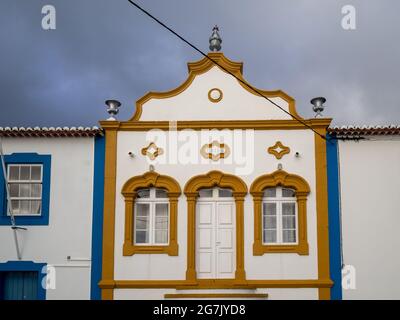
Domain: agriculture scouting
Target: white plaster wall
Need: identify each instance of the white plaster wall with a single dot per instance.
(70, 216)
(370, 186)
(268, 266)
(193, 103)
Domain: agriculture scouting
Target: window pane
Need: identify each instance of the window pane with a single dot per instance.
(161, 236)
(269, 209)
(161, 223)
(24, 190)
(288, 208)
(36, 206)
(14, 173)
(143, 193)
(269, 222)
(142, 223)
(142, 209)
(225, 193)
(14, 189)
(288, 193)
(25, 207)
(142, 236)
(36, 173)
(206, 193)
(160, 193)
(14, 207)
(288, 222)
(25, 173)
(161, 209)
(269, 236)
(36, 190)
(161, 216)
(270, 192)
(289, 235)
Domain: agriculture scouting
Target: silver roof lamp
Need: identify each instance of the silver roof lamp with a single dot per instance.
(215, 40)
(318, 106)
(112, 109)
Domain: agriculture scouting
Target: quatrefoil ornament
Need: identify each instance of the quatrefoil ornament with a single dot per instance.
(152, 151)
(215, 151)
(278, 150)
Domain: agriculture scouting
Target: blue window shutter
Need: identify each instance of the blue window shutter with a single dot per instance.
(21, 285)
(22, 280)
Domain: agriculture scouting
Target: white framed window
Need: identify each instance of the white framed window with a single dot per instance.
(25, 184)
(151, 217)
(280, 223)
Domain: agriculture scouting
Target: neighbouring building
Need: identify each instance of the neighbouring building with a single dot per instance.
(52, 179)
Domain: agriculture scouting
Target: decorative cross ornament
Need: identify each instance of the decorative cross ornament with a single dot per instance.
(278, 150)
(215, 151)
(152, 151)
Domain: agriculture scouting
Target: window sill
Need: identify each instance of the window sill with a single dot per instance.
(130, 250)
(28, 220)
(260, 249)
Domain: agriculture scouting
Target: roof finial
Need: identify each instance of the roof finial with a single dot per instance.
(215, 40)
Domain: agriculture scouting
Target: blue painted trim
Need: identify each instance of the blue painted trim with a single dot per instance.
(97, 224)
(334, 218)
(28, 158)
(28, 266)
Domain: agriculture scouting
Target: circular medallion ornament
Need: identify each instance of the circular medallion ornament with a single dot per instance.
(215, 95)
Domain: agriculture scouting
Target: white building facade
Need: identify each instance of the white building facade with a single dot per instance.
(215, 192)
(51, 178)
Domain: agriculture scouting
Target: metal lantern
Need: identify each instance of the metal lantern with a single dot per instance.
(318, 105)
(113, 108)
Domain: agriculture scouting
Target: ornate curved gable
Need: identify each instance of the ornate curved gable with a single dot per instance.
(211, 93)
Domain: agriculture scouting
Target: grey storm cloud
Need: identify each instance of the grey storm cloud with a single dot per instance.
(105, 49)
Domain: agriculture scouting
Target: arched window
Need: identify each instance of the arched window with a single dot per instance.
(279, 223)
(151, 214)
(152, 217)
(280, 213)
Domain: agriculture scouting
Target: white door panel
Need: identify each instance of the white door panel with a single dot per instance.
(225, 264)
(215, 239)
(205, 238)
(225, 239)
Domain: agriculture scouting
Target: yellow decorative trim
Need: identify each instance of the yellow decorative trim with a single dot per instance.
(321, 188)
(215, 100)
(202, 66)
(278, 154)
(280, 178)
(216, 284)
(129, 191)
(152, 155)
(109, 206)
(214, 295)
(209, 180)
(224, 124)
(206, 154)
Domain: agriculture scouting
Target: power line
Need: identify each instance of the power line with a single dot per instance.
(229, 72)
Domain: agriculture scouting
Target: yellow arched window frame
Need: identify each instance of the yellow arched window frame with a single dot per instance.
(129, 191)
(280, 178)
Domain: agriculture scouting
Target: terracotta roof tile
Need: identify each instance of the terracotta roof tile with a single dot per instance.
(49, 132)
(356, 131)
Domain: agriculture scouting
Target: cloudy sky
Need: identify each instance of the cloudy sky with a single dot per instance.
(105, 49)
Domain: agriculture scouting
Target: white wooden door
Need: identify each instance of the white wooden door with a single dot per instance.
(215, 237)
